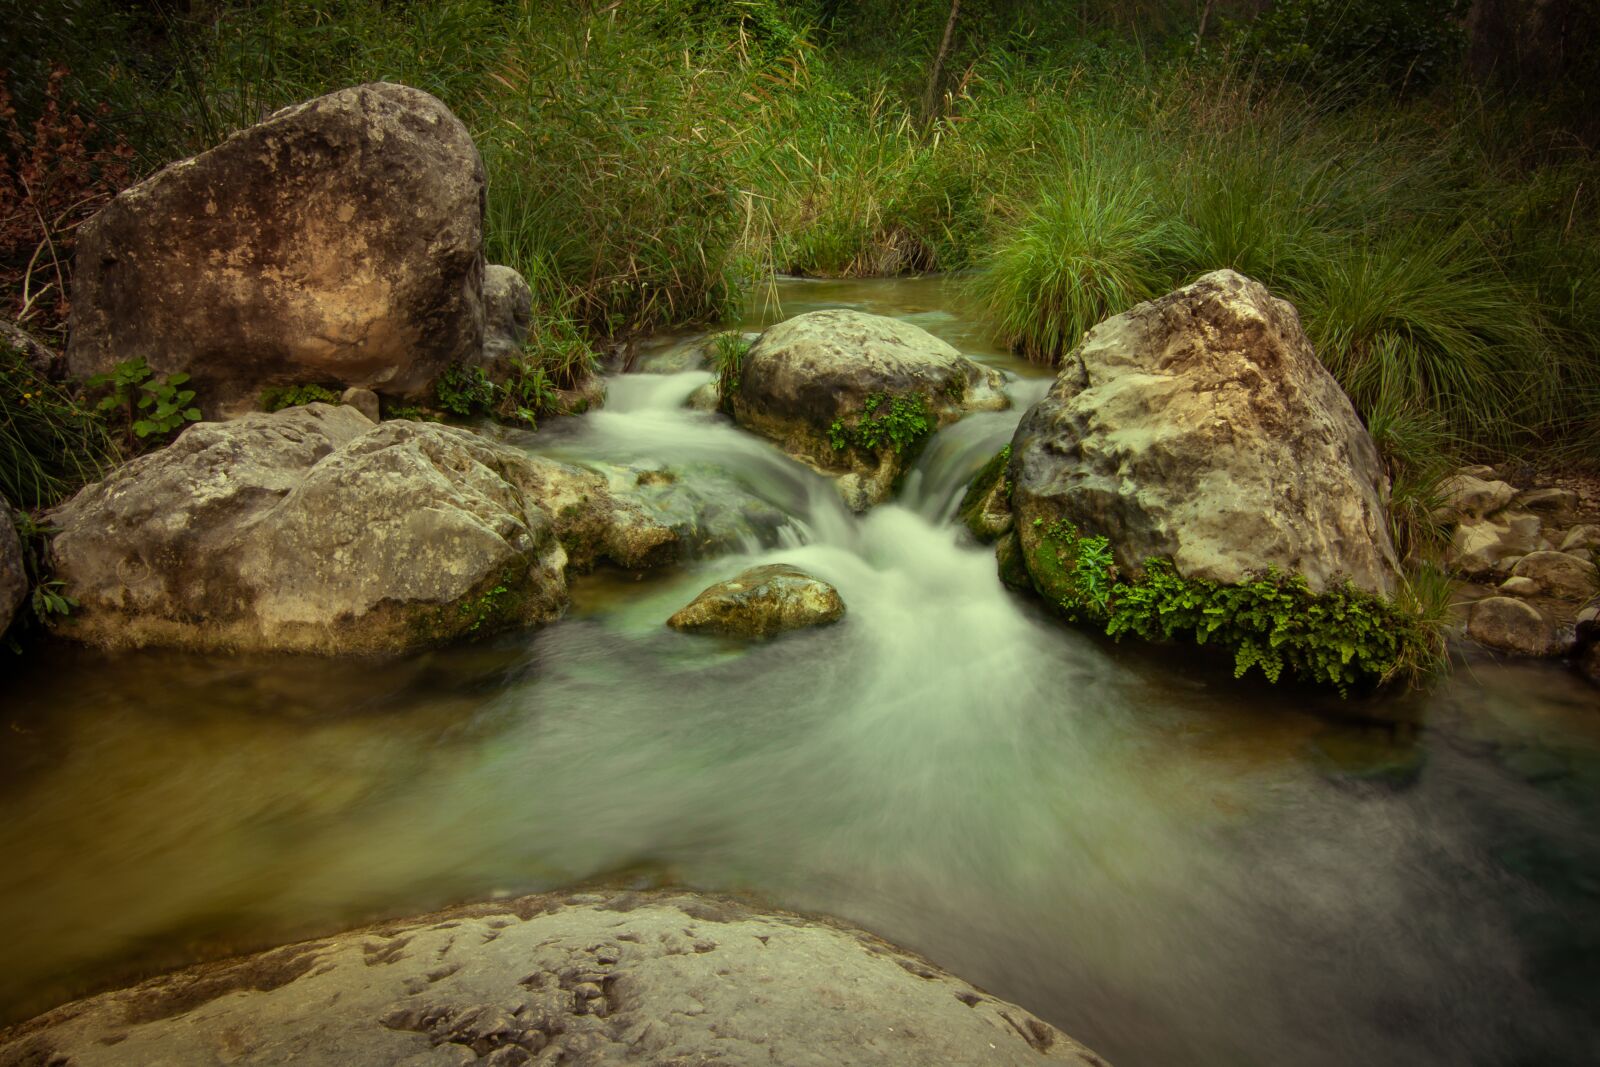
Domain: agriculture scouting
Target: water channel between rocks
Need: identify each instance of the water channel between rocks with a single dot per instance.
(1172, 867)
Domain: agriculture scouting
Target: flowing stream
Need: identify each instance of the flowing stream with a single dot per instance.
(1173, 867)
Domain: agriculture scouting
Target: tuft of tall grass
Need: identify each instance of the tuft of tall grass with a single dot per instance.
(1427, 319)
(1419, 452)
(50, 445)
(1092, 247)
(1424, 596)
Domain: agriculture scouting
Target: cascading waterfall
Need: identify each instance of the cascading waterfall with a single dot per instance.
(1172, 867)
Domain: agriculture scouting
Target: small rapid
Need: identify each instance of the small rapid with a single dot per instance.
(1170, 866)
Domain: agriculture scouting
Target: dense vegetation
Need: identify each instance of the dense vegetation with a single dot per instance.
(652, 161)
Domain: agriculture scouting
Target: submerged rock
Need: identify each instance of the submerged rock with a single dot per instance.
(761, 602)
(1510, 625)
(337, 241)
(854, 395)
(662, 978)
(13, 575)
(1201, 427)
(313, 530)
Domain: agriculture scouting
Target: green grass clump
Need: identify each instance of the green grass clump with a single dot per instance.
(1426, 319)
(728, 350)
(1090, 248)
(1343, 638)
(50, 444)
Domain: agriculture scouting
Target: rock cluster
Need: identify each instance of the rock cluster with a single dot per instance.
(809, 382)
(1534, 551)
(581, 979)
(313, 530)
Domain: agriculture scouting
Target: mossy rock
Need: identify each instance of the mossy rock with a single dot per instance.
(986, 506)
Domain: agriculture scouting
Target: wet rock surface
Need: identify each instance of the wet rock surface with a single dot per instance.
(578, 979)
(825, 367)
(1202, 427)
(337, 241)
(761, 602)
(1558, 574)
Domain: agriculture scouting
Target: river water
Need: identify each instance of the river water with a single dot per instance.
(1173, 867)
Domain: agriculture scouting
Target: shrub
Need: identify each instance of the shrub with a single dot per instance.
(1357, 45)
(53, 177)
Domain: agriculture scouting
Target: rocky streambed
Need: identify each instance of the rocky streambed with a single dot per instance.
(728, 633)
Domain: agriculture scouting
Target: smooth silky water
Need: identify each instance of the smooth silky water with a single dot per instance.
(1173, 867)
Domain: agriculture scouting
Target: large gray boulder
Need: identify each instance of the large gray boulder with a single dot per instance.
(761, 602)
(13, 574)
(582, 980)
(830, 378)
(313, 530)
(307, 530)
(1202, 427)
(337, 241)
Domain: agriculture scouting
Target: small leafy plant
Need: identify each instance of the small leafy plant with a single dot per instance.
(146, 405)
(465, 390)
(50, 598)
(526, 394)
(901, 423)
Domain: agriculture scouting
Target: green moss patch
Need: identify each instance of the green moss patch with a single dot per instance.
(900, 423)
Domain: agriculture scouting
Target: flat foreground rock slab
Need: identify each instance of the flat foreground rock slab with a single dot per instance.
(656, 978)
